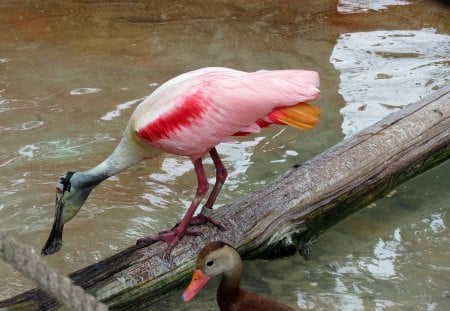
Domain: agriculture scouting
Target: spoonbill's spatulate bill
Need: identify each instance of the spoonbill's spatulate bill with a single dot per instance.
(188, 116)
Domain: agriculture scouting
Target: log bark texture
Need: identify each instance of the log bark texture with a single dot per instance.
(284, 216)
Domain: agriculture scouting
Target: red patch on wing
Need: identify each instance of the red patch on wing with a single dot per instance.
(262, 123)
(182, 116)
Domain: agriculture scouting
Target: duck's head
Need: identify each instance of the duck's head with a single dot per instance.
(72, 190)
(214, 259)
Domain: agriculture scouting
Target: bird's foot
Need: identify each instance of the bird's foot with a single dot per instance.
(201, 219)
(171, 237)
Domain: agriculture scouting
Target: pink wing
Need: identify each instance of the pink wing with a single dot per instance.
(193, 112)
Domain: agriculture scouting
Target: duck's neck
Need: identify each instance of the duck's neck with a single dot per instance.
(229, 287)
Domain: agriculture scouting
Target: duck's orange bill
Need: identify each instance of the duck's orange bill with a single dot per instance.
(199, 279)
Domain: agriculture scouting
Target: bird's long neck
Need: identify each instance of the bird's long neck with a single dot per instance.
(127, 153)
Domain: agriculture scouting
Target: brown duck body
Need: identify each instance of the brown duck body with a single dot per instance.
(220, 258)
(244, 300)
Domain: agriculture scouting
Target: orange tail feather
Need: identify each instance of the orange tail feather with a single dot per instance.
(301, 115)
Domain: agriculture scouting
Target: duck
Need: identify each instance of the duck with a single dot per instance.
(189, 115)
(220, 258)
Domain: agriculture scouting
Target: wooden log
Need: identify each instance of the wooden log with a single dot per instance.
(282, 217)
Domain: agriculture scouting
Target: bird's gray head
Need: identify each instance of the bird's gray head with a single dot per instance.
(72, 190)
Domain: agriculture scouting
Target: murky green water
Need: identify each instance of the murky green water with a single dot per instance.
(72, 72)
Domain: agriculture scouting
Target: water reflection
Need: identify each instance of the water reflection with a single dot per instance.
(382, 264)
(84, 91)
(358, 6)
(118, 111)
(390, 267)
(381, 71)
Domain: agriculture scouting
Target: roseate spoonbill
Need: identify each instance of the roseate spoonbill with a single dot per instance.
(189, 115)
(219, 258)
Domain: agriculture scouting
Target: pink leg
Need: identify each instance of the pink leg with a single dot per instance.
(221, 176)
(173, 236)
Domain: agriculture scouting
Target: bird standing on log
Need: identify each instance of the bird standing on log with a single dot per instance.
(188, 116)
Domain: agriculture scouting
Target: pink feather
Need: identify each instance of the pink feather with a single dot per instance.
(194, 112)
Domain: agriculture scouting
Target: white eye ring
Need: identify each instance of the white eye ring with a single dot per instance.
(209, 263)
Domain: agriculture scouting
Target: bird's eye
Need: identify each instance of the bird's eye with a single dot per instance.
(209, 263)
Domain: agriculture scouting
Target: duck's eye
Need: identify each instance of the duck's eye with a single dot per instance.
(209, 263)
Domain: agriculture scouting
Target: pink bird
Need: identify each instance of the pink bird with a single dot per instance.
(188, 116)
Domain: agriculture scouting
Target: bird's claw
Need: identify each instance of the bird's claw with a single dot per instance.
(171, 237)
(201, 219)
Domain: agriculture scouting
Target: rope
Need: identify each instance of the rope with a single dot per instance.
(25, 259)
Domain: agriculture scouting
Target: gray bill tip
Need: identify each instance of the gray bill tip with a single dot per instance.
(54, 241)
(51, 247)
